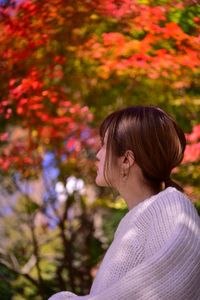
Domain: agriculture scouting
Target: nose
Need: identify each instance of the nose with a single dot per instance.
(97, 154)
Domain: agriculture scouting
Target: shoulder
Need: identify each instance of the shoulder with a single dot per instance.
(172, 218)
(168, 206)
(172, 209)
(160, 213)
(173, 204)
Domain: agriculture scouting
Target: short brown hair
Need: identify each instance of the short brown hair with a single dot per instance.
(156, 140)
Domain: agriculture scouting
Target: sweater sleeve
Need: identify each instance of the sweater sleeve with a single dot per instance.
(172, 271)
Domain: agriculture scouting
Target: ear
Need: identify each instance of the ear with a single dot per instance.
(127, 160)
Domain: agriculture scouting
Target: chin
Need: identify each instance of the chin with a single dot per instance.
(100, 181)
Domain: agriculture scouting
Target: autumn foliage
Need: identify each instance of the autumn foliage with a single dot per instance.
(64, 66)
(149, 44)
(55, 54)
(33, 98)
(192, 152)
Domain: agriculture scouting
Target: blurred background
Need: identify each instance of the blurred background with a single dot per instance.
(64, 65)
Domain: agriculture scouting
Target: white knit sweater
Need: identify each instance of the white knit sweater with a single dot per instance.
(155, 254)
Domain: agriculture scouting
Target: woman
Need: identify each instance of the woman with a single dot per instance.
(155, 253)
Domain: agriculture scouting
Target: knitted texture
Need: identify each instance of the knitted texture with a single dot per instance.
(155, 254)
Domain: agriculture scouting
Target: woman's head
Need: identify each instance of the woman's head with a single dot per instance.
(150, 134)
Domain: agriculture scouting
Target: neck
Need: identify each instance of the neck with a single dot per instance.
(134, 192)
(134, 189)
(136, 196)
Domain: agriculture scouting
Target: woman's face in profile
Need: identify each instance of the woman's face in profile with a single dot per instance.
(101, 156)
(112, 170)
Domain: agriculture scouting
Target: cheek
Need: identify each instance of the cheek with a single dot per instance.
(115, 175)
(112, 173)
